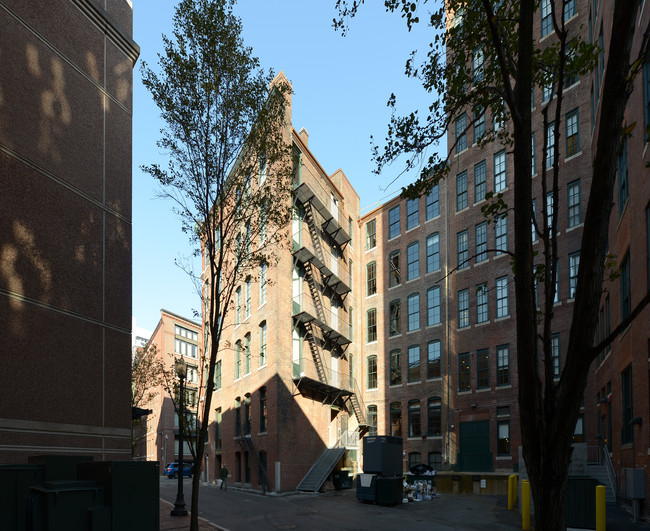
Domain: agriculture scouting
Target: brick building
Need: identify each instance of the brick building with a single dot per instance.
(65, 243)
(174, 338)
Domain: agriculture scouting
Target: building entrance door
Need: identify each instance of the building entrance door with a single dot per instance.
(475, 455)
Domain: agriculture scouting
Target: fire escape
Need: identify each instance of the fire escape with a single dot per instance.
(321, 274)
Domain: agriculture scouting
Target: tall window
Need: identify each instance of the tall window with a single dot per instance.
(247, 354)
(500, 181)
(247, 414)
(247, 307)
(479, 124)
(501, 234)
(217, 428)
(263, 269)
(555, 354)
(433, 205)
(393, 222)
(532, 222)
(462, 250)
(646, 95)
(435, 460)
(461, 191)
(372, 372)
(433, 306)
(395, 419)
(393, 269)
(482, 303)
(547, 18)
(550, 211)
(623, 190)
(477, 65)
(217, 376)
(550, 145)
(371, 278)
(480, 181)
(569, 9)
(413, 261)
(372, 420)
(351, 323)
(433, 359)
(532, 154)
(433, 252)
(483, 369)
(626, 295)
(627, 433)
(463, 372)
(237, 360)
(481, 242)
(503, 442)
(372, 325)
(412, 213)
(503, 365)
(572, 133)
(351, 231)
(573, 202)
(395, 368)
(238, 306)
(395, 321)
(262, 343)
(413, 309)
(434, 416)
(574, 263)
(463, 308)
(461, 133)
(415, 428)
(263, 410)
(503, 309)
(414, 363)
(371, 234)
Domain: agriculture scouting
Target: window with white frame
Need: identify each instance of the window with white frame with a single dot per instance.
(463, 308)
(480, 181)
(573, 203)
(263, 269)
(555, 354)
(372, 372)
(574, 264)
(371, 279)
(550, 145)
(500, 180)
(462, 249)
(503, 309)
(262, 343)
(247, 306)
(433, 306)
(413, 261)
(572, 133)
(371, 334)
(433, 252)
(503, 365)
(413, 310)
(482, 303)
(412, 213)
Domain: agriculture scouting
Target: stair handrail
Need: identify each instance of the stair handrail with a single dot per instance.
(609, 467)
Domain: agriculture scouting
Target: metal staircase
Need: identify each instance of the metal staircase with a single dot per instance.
(314, 340)
(358, 407)
(246, 442)
(321, 470)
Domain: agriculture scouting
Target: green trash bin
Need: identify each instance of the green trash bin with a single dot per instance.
(15, 483)
(581, 502)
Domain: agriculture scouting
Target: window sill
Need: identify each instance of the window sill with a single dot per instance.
(432, 219)
(504, 318)
(483, 323)
(575, 156)
(262, 367)
(263, 434)
(434, 325)
(468, 392)
(395, 336)
(504, 458)
(412, 228)
(413, 383)
(435, 379)
(393, 238)
(570, 229)
(484, 390)
(499, 387)
(413, 279)
(372, 389)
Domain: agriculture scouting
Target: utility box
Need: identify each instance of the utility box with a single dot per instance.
(132, 492)
(382, 454)
(389, 491)
(581, 502)
(63, 505)
(633, 483)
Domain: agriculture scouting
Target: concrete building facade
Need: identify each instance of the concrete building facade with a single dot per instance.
(65, 244)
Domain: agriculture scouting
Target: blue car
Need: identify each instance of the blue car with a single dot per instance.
(171, 470)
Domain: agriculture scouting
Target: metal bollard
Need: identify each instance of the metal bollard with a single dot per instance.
(525, 505)
(601, 520)
(512, 491)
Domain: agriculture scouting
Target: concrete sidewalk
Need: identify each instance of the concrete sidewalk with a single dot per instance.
(179, 523)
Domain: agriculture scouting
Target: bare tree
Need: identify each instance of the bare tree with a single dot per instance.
(230, 165)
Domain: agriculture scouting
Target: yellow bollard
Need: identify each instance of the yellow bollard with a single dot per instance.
(525, 504)
(600, 508)
(512, 491)
(515, 489)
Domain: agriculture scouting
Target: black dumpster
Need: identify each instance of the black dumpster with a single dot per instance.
(15, 483)
(341, 479)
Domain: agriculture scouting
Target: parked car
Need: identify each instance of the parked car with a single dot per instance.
(171, 470)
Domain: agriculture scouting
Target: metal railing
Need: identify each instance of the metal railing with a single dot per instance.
(609, 466)
(347, 439)
(333, 321)
(334, 264)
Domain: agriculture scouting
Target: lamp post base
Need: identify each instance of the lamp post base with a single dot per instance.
(179, 506)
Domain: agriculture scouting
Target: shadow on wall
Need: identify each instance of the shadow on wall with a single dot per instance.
(285, 434)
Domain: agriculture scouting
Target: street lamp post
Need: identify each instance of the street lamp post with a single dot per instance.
(179, 505)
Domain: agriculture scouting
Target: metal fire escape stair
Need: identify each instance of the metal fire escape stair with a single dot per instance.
(246, 442)
(321, 470)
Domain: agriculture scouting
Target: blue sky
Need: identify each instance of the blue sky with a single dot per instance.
(340, 84)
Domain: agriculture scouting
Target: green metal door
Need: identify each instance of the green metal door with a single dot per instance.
(475, 455)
